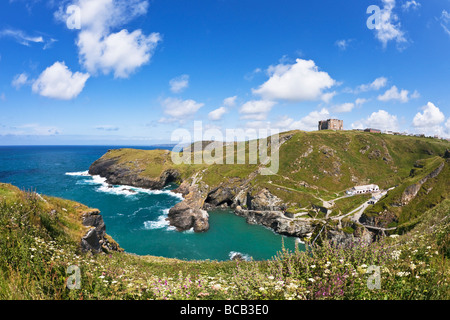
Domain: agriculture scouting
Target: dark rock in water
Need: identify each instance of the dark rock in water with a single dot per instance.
(237, 257)
(188, 213)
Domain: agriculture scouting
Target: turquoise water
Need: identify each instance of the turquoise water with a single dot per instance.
(134, 217)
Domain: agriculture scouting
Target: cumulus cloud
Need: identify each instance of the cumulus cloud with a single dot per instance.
(307, 123)
(256, 109)
(301, 81)
(217, 114)
(377, 84)
(430, 118)
(101, 49)
(400, 95)
(58, 82)
(345, 107)
(180, 83)
(230, 101)
(179, 109)
(389, 27)
(380, 119)
(20, 80)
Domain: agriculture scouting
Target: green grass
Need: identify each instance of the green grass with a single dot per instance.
(36, 249)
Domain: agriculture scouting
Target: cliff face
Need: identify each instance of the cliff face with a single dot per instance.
(312, 166)
(118, 174)
(95, 239)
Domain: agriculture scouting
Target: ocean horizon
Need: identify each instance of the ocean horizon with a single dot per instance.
(134, 217)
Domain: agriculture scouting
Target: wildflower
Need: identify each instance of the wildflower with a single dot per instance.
(101, 277)
(270, 277)
(403, 274)
(313, 266)
(216, 287)
(396, 254)
(393, 235)
(311, 279)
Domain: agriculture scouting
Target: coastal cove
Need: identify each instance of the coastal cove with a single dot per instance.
(134, 217)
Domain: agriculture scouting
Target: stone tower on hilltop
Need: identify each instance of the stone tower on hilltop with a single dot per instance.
(331, 124)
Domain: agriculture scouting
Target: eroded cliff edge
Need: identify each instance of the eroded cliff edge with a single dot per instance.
(314, 167)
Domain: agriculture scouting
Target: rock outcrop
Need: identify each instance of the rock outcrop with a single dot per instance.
(120, 174)
(189, 213)
(411, 191)
(95, 240)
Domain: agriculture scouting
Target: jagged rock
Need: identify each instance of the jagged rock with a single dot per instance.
(119, 174)
(95, 239)
(188, 213)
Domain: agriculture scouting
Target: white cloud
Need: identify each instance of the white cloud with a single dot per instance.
(429, 118)
(217, 114)
(34, 129)
(394, 94)
(3, 96)
(345, 107)
(301, 81)
(326, 97)
(121, 53)
(431, 121)
(444, 21)
(256, 109)
(230, 101)
(360, 101)
(308, 123)
(180, 83)
(58, 82)
(21, 37)
(100, 49)
(377, 84)
(20, 80)
(343, 44)
(381, 120)
(389, 27)
(412, 4)
(179, 109)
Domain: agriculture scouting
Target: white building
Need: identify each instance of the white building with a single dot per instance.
(363, 189)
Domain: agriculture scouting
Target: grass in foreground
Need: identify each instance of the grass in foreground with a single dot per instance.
(36, 248)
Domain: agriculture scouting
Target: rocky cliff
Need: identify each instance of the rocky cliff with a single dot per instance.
(312, 166)
(96, 239)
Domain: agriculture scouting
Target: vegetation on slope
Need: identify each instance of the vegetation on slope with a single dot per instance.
(39, 239)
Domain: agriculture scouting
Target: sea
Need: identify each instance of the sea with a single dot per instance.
(135, 217)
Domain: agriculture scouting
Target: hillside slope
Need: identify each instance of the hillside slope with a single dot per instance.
(308, 190)
(37, 247)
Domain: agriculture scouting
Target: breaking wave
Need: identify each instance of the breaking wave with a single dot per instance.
(118, 189)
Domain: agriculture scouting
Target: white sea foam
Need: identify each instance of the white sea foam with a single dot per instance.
(118, 190)
(244, 256)
(80, 173)
(160, 223)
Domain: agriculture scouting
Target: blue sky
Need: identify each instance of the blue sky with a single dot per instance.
(131, 72)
